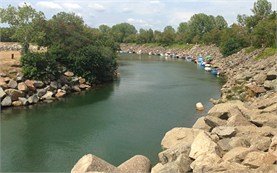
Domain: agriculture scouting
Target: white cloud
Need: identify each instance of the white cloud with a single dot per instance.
(71, 6)
(154, 2)
(139, 22)
(97, 7)
(48, 4)
(180, 16)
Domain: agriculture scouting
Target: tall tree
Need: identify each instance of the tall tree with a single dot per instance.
(220, 22)
(261, 9)
(122, 31)
(24, 20)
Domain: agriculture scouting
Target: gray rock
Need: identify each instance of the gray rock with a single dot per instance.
(271, 75)
(200, 124)
(12, 84)
(23, 100)
(224, 144)
(214, 121)
(38, 84)
(14, 94)
(224, 131)
(271, 84)
(76, 88)
(54, 85)
(2, 93)
(19, 77)
(239, 142)
(7, 101)
(260, 78)
(179, 135)
(41, 92)
(48, 95)
(91, 163)
(33, 99)
(137, 163)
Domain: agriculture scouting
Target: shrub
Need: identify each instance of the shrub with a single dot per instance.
(40, 66)
(95, 64)
(266, 53)
(232, 45)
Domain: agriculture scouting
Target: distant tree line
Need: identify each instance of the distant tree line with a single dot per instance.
(258, 30)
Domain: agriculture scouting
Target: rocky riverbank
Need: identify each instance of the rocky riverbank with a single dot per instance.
(22, 92)
(239, 134)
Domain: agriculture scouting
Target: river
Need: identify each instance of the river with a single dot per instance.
(114, 122)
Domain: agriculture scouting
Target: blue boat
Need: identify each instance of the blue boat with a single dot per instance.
(214, 71)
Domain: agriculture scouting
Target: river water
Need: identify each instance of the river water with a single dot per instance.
(114, 122)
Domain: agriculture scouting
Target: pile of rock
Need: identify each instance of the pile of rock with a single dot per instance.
(21, 92)
(175, 52)
(91, 163)
(233, 137)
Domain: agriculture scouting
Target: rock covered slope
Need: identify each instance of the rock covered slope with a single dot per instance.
(239, 134)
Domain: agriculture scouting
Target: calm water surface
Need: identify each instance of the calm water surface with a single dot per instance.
(115, 122)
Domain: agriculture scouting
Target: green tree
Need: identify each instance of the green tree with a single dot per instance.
(261, 9)
(220, 22)
(264, 34)
(122, 31)
(94, 63)
(104, 28)
(168, 35)
(199, 24)
(6, 34)
(24, 21)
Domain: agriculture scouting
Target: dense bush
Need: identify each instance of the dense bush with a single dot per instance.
(39, 66)
(96, 64)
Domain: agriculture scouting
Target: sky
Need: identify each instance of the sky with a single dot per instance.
(155, 14)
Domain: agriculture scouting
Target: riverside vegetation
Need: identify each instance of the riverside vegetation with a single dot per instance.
(237, 135)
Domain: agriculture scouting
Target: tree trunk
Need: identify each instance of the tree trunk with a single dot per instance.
(25, 48)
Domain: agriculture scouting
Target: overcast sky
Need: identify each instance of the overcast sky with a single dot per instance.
(155, 14)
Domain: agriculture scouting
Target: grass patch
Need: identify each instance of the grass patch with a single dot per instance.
(270, 51)
(250, 49)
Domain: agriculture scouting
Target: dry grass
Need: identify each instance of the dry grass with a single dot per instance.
(8, 65)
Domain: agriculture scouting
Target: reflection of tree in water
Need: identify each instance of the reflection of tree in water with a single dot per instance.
(49, 133)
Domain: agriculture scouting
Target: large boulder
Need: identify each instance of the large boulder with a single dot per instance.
(201, 124)
(22, 87)
(236, 154)
(137, 163)
(256, 159)
(23, 100)
(267, 119)
(17, 103)
(30, 85)
(48, 95)
(12, 84)
(271, 85)
(174, 152)
(260, 78)
(271, 75)
(91, 163)
(224, 131)
(3, 84)
(203, 144)
(33, 99)
(180, 165)
(7, 101)
(60, 93)
(179, 135)
(38, 84)
(273, 146)
(14, 94)
(214, 121)
(205, 163)
(2, 93)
